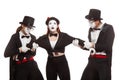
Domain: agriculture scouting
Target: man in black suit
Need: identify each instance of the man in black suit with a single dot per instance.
(101, 37)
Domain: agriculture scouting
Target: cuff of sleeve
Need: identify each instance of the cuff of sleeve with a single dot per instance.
(81, 42)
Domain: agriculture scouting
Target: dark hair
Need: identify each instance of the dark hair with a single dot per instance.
(18, 29)
(52, 18)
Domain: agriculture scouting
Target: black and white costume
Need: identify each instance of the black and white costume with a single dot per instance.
(22, 70)
(56, 65)
(99, 65)
(22, 64)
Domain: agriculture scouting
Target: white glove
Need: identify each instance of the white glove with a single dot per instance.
(75, 42)
(15, 57)
(92, 51)
(35, 45)
(24, 49)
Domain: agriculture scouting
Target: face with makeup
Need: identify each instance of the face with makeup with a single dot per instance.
(52, 25)
(92, 23)
(25, 30)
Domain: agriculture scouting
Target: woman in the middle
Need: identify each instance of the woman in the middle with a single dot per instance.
(54, 42)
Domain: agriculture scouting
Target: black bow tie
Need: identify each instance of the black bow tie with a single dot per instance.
(25, 36)
(93, 29)
(53, 35)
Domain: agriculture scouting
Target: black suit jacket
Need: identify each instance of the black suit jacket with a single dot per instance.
(14, 44)
(63, 40)
(105, 40)
(12, 49)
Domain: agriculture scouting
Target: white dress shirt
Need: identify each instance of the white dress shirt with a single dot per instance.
(94, 37)
(95, 34)
(24, 40)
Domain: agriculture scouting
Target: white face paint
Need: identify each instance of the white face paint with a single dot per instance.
(27, 30)
(52, 25)
(92, 24)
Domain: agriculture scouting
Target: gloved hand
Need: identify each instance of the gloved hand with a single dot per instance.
(35, 45)
(92, 51)
(24, 49)
(88, 45)
(75, 42)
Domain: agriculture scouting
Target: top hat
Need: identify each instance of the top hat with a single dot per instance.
(94, 14)
(28, 21)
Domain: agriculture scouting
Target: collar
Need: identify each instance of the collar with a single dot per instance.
(21, 34)
(100, 27)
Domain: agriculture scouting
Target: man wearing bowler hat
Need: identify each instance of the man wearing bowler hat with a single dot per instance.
(101, 37)
(21, 53)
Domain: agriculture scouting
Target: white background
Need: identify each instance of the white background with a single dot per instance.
(71, 14)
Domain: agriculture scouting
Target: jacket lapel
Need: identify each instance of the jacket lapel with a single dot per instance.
(47, 42)
(102, 33)
(89, 35)
(59, 40)
(18, 42)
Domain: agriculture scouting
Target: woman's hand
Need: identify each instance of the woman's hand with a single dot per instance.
(23, 49)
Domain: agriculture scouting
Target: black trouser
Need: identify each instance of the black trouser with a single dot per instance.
(57, 66)
(28, 71)
(97, 71)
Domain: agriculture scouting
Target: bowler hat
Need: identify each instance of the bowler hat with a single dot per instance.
(94, 14)
(28, 21)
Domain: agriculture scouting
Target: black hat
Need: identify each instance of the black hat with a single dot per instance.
(28, 21)
(94, 14)
(52, 18)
